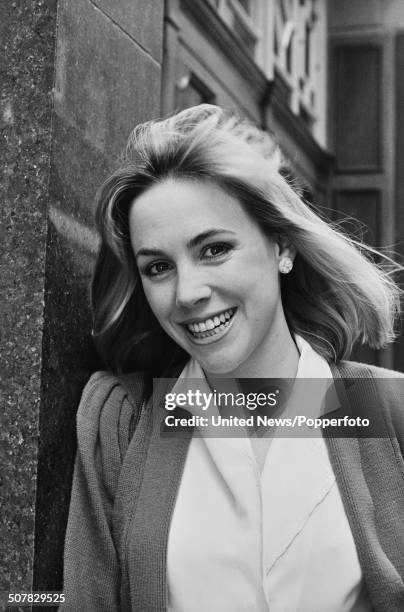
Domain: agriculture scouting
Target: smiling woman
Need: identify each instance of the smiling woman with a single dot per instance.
(211, 268)
(333, 297)
(213, 262)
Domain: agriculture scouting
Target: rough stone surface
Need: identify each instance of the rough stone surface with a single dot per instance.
(107, 79)
(105, 82)
(77, 171)
(68, 359)
(26, 74)
(141, 20)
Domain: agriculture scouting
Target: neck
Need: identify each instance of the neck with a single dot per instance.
(279, 358)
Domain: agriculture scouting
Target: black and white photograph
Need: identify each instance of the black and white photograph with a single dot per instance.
(202, 262)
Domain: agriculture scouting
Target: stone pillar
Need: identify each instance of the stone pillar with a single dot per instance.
(27, 38)
(76, 77)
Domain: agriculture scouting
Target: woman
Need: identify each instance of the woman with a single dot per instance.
(210, 267)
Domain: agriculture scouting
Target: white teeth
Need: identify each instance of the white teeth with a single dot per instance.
(211, 326)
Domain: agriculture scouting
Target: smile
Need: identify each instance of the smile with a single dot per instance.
(211, 326)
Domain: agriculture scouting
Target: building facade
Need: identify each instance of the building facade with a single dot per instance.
(366, 128)
(323, 77)
(266, 60)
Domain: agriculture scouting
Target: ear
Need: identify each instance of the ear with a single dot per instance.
(284, 248)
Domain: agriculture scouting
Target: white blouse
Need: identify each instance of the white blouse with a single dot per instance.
(267, 535)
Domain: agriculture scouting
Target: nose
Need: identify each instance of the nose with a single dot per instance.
(192, 287)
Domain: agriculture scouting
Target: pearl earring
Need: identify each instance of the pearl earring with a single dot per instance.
(285, 265)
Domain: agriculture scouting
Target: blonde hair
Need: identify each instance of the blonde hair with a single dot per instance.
(334, 296)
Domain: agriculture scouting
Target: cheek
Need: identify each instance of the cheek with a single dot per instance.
(159, 300)
(261, 291)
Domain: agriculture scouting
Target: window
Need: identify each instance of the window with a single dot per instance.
(191, 91)
(287, 37)
(240, 16)
(299, 50)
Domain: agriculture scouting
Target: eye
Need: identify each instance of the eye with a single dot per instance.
(216, 250)
(157, 268)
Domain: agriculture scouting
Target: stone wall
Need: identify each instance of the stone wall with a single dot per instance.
(77, 77)
(27, 35)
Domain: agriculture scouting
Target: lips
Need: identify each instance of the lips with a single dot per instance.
(212, 325)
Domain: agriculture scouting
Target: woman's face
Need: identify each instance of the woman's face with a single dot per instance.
(209, 274)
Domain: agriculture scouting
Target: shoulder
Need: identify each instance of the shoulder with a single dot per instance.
(386, 390)
(354, 369)
(108, 399)
(389, 383)
(102, 388)
(108, 412)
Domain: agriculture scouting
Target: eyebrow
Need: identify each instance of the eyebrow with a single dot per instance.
(191, 244)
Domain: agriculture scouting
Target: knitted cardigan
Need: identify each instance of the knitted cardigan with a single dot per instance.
(124, 493)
